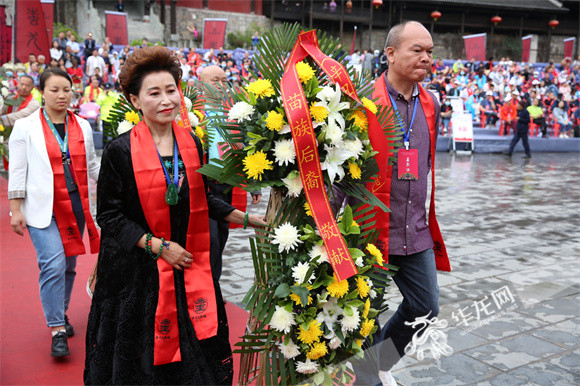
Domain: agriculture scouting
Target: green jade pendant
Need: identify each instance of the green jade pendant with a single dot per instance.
(171, 195)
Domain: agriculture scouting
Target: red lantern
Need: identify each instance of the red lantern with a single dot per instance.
(349, 4)
(435, 15)
(496, 20)
(553, 23)
(377, 3)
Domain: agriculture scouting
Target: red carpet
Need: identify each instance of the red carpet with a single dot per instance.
(24, 337)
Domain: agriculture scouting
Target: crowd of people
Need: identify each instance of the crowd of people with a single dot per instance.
(489, 90)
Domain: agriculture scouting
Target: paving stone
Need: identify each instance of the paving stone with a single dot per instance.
(513, 352)
(564, 333)
(554, 310)
(569, 361)
(457, 369)
(546, 374)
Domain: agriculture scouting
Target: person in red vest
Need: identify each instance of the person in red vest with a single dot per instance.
(157, 315)
(412, 244)
(22, 104)
(51, 158)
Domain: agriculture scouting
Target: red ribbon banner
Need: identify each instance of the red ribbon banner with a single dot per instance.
(296, 108)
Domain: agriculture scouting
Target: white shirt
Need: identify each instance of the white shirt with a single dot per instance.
(94, 62)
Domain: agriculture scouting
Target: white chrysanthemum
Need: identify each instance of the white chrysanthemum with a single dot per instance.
(188, 105)
(334, 343)
(307, 367)
(359, 261)
(124, 127)
(299, 272)
(282, 320)
(335, 157)
(287, 237)
(372, 293)
(333, 133)
(284, 152)
(5, 92)
(320, 252)
(294, 185)
(354, 148)
(290, 350)
(241, 111)
(349, 323)
(370, 283)
(5, 84)
(193, 119)
(285, 130)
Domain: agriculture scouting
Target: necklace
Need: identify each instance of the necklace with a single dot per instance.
(172, 193)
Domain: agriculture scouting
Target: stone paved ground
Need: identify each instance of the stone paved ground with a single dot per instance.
(509, 225)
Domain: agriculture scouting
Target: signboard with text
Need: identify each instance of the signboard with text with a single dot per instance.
(214, 33)
(475, 46)
(462, 128)
(31, 36)
(117, 27)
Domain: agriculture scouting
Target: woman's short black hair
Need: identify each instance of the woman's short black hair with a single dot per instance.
(49, 72)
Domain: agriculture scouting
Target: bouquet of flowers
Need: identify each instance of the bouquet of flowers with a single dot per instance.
(319, 279)
(123, 116)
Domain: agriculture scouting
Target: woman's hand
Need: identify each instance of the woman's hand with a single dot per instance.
(18, 223)
(257, 222)
(175, 255)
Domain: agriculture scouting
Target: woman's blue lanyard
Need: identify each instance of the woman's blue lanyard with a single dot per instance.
(406, 132)
(175, 166)
(63, 144)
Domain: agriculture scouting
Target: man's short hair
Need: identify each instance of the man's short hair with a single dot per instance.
(27, 76)
(394, 35)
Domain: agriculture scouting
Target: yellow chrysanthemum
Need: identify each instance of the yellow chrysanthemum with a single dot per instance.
(318, 113)
(360, 120)
(297, 300)
(354, 223)
(366, 308)
(354, 170)
(199, 114)
(363, 287)
(199, 132)
(132, 116)
(375, 252)
(262, 88)
(305, 72)
(180, 123)
(312, 334)
(369, 104)
(317, 350)
(359, 342)
(307, 209)
(256, 164)
(274, 121)
(338, 288)
(367, 326)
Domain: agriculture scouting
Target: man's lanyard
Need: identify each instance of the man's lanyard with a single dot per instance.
(406, 132)
(63, 144)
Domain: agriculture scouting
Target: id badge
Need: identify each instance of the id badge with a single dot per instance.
(408, 161)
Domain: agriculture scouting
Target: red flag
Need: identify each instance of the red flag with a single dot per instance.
(214, 32)
(5, 38)
(569, 47)
(117, 27)
(48, 10)
(475, 46)
(526, 45)
(30, 30)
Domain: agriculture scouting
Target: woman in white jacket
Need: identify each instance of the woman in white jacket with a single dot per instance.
(51, 157)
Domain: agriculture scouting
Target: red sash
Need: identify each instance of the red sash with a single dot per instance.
(201, 302)
(24, 103)
(91, 93)
(382, 185)
(240, 202)
(62, 207)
